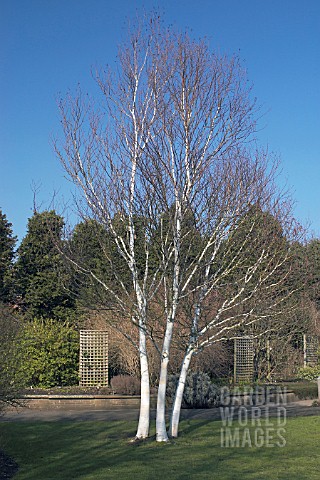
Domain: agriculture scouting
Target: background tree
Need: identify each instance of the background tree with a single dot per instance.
(87, 245)
(11, 380)
(279, 340)
(92, 246)
(7, 245)
(41, 279)
(310, 261)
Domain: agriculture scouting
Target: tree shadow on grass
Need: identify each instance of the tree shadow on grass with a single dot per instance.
(101, 451)
(8, 467)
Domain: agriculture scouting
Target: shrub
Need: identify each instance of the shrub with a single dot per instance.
(309, 373)
(304, 390)
(125, 385)
(50, 353)
(199, 392)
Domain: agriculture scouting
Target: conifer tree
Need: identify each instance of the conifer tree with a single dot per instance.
(42, 282)
(7, 244)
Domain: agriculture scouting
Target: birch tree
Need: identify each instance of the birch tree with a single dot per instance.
(102, 154)
(172, 144)
(247, 283)
(211, 173)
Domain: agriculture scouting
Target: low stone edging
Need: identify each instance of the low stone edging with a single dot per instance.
(98, 401)
(50, 401)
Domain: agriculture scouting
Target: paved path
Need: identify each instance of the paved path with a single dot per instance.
(301, 408)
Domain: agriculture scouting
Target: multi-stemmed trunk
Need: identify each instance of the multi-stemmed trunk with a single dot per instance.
(179, 121)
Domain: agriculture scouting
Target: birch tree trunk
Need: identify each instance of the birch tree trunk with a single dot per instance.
(176, 408)
(144, 416)
(161, 430)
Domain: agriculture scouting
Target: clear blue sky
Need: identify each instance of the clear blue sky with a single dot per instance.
(48, 46)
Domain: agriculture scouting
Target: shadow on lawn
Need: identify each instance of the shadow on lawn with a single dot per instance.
(102, 451)
(8, 467)
(92, 450)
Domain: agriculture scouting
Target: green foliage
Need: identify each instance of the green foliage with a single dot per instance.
(309, 373)
(92, 250)
(95, 252)
(311, 253)
(256, 231)
(50, 353)
(7, 244)
(120, 266)
(199, 392)
(41, 279)
(304, 390)
(11, 380)
(161, 238)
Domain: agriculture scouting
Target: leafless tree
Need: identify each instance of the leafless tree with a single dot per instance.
(173, 146)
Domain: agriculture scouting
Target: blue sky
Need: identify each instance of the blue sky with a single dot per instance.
(48, 46)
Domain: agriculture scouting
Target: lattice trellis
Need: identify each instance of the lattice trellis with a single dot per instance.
(93, 358)
(310, 350)
(243, 359)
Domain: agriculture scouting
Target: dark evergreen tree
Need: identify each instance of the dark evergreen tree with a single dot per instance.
(11, 379)
(88, 248)
(311, 253)
(94, 252)
(42, 281)
(161, 240)
(7, 244)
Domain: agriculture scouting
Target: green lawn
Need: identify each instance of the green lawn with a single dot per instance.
(101, 451)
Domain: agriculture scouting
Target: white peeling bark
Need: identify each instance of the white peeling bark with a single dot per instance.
(176, 409)
(161, 430)
(144, 416)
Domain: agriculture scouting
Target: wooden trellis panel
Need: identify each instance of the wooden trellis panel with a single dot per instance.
(243, 359)
(310, 350)
(93, 358)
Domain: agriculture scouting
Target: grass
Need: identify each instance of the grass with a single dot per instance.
(102, 451)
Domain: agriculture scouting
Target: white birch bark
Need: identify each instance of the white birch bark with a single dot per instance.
(144, 415)
(176, 408)
(161, 430)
